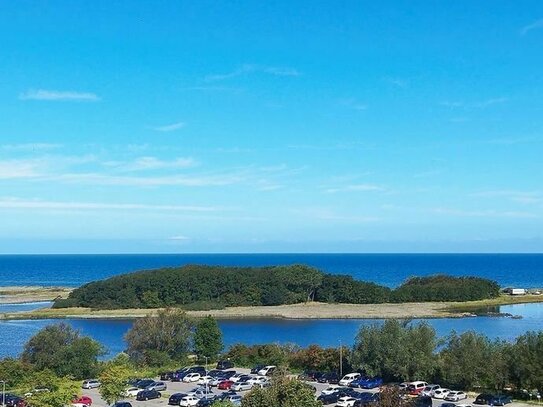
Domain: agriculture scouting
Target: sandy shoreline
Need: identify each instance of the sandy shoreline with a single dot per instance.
(17, 295)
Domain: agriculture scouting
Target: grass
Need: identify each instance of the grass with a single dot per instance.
(503, 299)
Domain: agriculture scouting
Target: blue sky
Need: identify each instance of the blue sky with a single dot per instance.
(244, 126)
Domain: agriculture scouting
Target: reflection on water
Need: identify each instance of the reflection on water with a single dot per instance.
(13, 334)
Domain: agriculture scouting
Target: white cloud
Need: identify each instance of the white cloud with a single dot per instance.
(56, 95)
(170, 127)
(250, 68)
(481, 104)
(152, 163)
(30, 147)
(11, 169)
(523, 197)
(16, 203)
(533, 26)
(484, 213)
(356, 188)
(179, 238)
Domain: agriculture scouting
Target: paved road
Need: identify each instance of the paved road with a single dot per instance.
(176, 387)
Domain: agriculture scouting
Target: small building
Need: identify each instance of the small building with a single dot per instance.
(515, 291)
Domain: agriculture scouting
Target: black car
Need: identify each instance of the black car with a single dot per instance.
(329, 377)
(175, 399)
(215, 373)
(423, 401)
(227, 374)
(12, 400)
(255, 369)
(147, 395)
(224, 364)
(500, 400)
(367, 399)
(334, 397)
(142, 384)
(225, 394)
(122, 404)
(166, 375)
(483, 398)
(207, 401)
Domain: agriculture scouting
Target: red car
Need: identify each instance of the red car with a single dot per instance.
(82, 400)
(225, 385)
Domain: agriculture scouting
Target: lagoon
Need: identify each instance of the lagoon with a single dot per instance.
(13, 334)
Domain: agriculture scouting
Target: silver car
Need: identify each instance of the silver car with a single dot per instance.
(91, 384)
(158, 386)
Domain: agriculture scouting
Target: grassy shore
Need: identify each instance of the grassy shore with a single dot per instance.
(18, 295)
(312, 310)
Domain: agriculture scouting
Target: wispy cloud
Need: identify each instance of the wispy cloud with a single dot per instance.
(326, 214)
(481, 104)
(484, 213)
(30, 147)
(354, 104)
(56, 95)
(179, 238)
(533, 26)
(523, 197)
(152, 163)
(250, 68)
(356, 188)
(398, 82)
(170, 127)
(16, 203)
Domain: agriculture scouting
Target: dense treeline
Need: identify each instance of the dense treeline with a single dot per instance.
(212, 287)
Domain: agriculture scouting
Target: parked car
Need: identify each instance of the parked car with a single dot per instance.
(267, 370)
(144, 383)
(175, 399)
(145, 395)
(91, 384)
(308, 376)
(367, 382)
(200, 392)
(440, 393)
(348, 378)
(166, 375)
(500, 400)
(240, 377)
(429, 390)
(191, 377)
(189, 401)
(346, 401)
(367, 399)
(331, 389)
(224, 364)
(235, 399)
(456, 396)
(423, 401)
(447, 405)
(86, 400)
(260, 381)
(122, 404)
(483, 398)
(205, 402)
(255, 369)
(159, 386)
(415, 388)
(11, 400)
(204, 380)
(131, 392)
(242, 386)
(225, 385)
(215, 372)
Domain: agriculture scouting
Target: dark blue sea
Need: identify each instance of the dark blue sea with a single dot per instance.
(523, 270)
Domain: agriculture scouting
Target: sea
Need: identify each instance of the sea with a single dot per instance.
(509, 270)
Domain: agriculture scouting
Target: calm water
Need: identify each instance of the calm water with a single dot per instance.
(13, 334)
(525, 270)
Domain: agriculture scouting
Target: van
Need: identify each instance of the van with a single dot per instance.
(348, 378)
(415, 388)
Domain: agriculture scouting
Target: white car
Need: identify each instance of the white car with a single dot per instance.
(191, 378)
(456, 396)
(200, 392)
(214, 382)
(348, 379)
(258, 381)
(131, 392)
(266, 370)
(330, 390)
(346, 402)
(463, 405)
(242, 386)
(235, 378)
(429, 390)
(189, 401)
(91, 384)
(204, 380)
(440, 393)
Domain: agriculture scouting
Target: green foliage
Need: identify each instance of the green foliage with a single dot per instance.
(526, 361)
(445, 288)
(60, 394)
(396, 351)
(114, 378)
(212, 287)
(207, 338)
(315, 358)
(283, 392)
(267, 354)
(472, 360)
(156, 339)
(62, 349)
(15, 372)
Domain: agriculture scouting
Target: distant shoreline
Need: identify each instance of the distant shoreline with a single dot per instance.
(312, 310)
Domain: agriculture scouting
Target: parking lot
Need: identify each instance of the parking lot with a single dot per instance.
(180, 387)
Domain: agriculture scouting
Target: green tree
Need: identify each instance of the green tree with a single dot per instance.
(208, 338)
(63, 350)
(60, 394)
(114, 378)
(396, 350)
(14, 371)
(283, 392)
(526, 360)
(158, 337)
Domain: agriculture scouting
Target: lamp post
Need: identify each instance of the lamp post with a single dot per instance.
(340, 359)
(3, 392)
(206, 383)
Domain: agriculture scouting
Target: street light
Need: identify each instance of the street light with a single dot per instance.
(3, 392)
